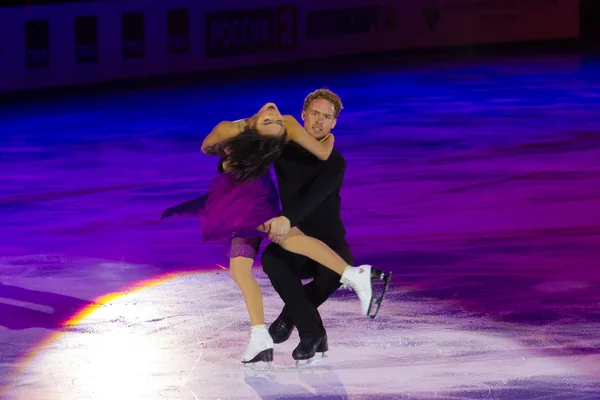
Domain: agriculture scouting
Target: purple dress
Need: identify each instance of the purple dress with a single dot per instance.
(232, 210)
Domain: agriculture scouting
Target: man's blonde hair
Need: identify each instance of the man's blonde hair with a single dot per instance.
(324, 94)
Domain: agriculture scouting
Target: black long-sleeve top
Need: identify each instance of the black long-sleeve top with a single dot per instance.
(310, 192)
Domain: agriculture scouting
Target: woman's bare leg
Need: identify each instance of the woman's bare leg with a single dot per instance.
(240, 269)
(297, 242)
(260, 345)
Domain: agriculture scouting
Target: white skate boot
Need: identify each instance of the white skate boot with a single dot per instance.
(359, 279)
(260, 347)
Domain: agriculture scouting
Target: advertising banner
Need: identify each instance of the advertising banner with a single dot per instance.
(191, 36)
(250, 31)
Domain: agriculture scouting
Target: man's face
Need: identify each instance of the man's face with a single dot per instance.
(319, 118)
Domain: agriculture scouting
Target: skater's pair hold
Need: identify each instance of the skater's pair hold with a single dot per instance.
(242, 204)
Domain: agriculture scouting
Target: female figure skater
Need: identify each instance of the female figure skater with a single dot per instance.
(243, 197)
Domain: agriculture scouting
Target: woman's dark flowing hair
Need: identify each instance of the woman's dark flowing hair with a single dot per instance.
(250, 154)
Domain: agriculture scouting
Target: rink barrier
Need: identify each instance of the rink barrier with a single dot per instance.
(79, 43)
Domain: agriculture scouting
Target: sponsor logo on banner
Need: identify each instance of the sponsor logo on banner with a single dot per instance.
(251, 31)
(37, 43)
(350, 21)
(133, 35)
(178, 31)
(497, 11)
(287, 28)
(86, 39)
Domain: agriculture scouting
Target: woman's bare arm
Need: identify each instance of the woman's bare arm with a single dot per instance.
(297, 133)
(220, 133)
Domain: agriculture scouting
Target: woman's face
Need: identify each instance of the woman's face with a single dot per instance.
(269, 120)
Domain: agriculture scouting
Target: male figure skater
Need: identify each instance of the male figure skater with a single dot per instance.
(310, 196)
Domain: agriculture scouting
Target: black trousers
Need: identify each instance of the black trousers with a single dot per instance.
(286, 270)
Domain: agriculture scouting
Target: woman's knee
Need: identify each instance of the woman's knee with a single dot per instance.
(240, 269)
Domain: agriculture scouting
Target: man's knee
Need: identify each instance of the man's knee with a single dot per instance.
(324, 284)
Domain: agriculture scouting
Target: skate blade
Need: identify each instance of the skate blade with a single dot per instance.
(377, 300)
(303, 364)
(268, 369)
(252, 368)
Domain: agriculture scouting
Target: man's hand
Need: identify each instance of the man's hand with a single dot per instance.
(279, 228)
(266, 226)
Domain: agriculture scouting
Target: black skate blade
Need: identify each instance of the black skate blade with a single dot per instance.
(376, 301)
(377, 274)
(263, 356)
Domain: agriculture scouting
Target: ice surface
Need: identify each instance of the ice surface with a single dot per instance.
(183, 338)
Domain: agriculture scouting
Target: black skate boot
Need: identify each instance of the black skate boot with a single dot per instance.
(307, 348)
(323, 347)
(281, 329)
(304, 353)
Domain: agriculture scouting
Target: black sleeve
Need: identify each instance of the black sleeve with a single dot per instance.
(330, 179)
